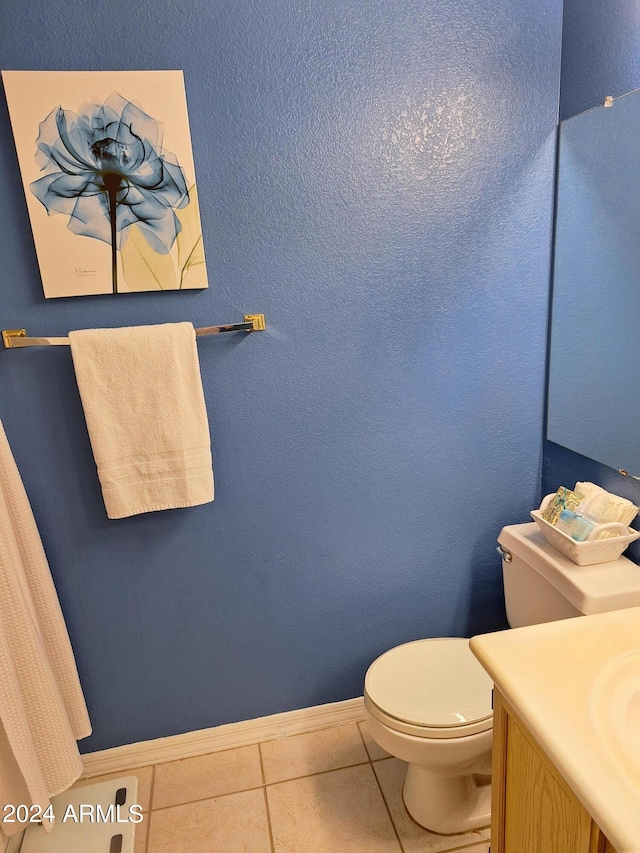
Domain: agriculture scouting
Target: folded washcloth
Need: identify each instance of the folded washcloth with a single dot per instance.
(602, 506)
(143, 401)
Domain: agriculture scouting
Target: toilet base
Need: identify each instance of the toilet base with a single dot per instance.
(446, 804)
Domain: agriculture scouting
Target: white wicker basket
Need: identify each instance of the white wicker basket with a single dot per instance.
(585, 553)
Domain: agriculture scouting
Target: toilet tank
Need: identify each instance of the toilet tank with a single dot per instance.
(542, 585)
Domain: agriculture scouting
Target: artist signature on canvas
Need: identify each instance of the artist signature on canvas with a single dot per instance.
(84, 271)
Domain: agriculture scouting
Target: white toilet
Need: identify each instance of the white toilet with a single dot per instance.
(428, 702)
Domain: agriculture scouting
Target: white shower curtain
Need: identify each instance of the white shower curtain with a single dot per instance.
(42, 708)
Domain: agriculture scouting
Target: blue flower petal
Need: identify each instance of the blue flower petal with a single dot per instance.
(79, 152)
(91, 218)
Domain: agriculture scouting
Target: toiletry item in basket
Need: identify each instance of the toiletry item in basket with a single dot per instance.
(576, 526)
(564, 499)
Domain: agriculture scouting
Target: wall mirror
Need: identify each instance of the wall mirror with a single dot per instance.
(594, 394)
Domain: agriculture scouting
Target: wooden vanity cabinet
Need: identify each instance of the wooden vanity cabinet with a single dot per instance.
(533, 809)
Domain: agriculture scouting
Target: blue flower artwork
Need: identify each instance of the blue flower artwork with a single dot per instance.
(105, 172)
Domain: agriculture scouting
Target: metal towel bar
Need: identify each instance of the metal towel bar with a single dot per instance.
(14, 338)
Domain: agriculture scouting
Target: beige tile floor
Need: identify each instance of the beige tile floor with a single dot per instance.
(328, 791)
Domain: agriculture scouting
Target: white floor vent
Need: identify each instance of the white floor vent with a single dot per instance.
(99, 818)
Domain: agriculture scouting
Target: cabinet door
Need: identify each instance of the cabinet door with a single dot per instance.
(542, 813)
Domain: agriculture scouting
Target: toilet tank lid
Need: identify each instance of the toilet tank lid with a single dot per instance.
(591, 589)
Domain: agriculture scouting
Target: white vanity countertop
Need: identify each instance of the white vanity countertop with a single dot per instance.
(576, 686)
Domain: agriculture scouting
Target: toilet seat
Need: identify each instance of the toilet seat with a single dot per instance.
(430, 688)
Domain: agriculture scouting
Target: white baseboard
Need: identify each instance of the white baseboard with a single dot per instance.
(229, 736)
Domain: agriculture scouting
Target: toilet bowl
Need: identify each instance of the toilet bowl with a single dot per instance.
(428, 702)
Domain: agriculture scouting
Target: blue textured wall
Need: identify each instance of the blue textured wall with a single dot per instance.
(600, 52)
(600, 56)
(377, 178)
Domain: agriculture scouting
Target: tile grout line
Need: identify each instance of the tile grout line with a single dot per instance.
(319, 773)
(386, 805)
(262, 785)
(266, 800)
(384, 799)
(211, 797)
(364, 742)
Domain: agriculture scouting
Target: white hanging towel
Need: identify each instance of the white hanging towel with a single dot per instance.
(42, 709)
(144, 405)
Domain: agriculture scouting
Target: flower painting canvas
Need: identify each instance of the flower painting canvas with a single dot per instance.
(108, 175)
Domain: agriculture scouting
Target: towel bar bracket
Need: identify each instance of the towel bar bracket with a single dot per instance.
(9, 334)
(257, 320)
(12, 338)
